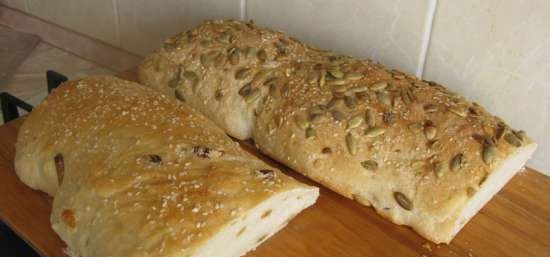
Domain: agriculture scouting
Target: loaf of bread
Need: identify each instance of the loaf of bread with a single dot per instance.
(135, 173)
(421, 155)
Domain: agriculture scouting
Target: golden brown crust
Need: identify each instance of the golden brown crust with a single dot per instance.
(412, 149)
(143, 174)
(188, 65)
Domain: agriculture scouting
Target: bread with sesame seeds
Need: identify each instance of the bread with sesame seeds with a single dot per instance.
(421, 155)
(135, 173)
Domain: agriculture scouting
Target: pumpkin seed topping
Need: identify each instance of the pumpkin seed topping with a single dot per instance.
(338, 95)
(520, 134)
(370, 118)
(435, 145)
(155, 158)
(337, 115)
(462, 112)
(322, 77)
(170, 44)
(218, 95)
(499, 131)
(253, 95)
(219, 61)
(262, 55)
(282, 47)
(281, 57)
(430, 132)
(378, 86)
(333, 101)
(173, 83)
(312, 78)
(192, 78)
(411, 94)
(350, 101)
(488, 129)
(179, 95)
(403, 200)
(406, 99)
(206, 42)
(438, 169)
(245, 90)
(418, 164)
(336, 73)
(315, 118)
(351, 143)
(301, 122)
(456, 162)
(259, 77)
(488, 153)
(388, 118)
(415, 126)
(338, 82)
(190, 75)
(384, 98)
(470, 191)
(512, 139)
(161, 64)
(317, 109)
(355, 122)
(251, 52)
(234, 56)
(310, 132)
(430, 108)
(273, 81)
(243, 73)
(374, 131)
(224, 37)
(352, 76)
(204, 60)
(359, 89)
(340, 89)
(370, 165)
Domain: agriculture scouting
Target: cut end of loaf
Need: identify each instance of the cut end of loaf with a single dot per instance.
(494, 182)
(255, 226)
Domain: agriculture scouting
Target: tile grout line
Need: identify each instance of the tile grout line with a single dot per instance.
(426, 38)
(26, 4)
(117, 22)
(242, 9)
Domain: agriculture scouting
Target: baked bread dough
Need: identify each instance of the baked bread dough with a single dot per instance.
(420, 154)
(135, 173)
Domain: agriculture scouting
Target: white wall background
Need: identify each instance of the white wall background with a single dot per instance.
(495, 52)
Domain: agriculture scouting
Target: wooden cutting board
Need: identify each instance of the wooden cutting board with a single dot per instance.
(516, 222)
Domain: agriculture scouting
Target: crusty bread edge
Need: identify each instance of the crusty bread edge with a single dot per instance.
(266, 227)
(492, 185)
(500, 175)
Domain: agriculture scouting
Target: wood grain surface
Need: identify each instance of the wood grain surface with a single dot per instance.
(516, 222)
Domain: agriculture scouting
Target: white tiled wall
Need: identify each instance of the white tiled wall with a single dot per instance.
(387, 31)
(94, 18)
(144, 24)
(495, 52)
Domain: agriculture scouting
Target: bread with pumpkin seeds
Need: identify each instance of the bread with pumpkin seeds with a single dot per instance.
(135, 173)
(421, 155)
(190, 71)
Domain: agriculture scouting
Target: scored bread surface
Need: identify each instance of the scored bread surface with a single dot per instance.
(135, 173)
(415, 151)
